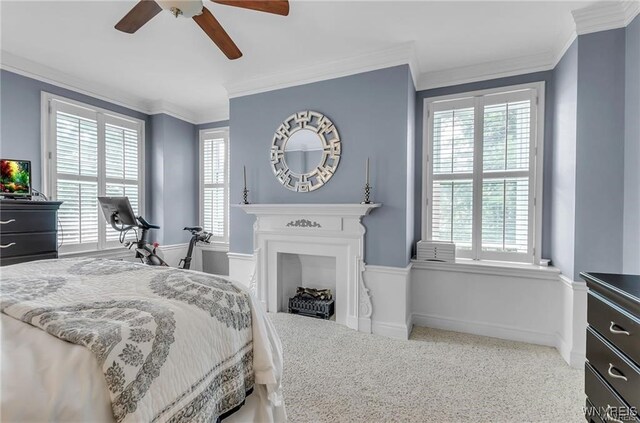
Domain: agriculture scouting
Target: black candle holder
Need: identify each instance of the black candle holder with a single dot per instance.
(367, 193)
(245, 196)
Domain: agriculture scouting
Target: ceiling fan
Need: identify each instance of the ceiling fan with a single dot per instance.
(145, 10)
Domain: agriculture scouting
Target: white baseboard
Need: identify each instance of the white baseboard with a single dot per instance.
(390, 330)
(492, 330)
(573, 357)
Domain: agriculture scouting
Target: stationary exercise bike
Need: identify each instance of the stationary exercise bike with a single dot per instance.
(120, 215)
(197, 235)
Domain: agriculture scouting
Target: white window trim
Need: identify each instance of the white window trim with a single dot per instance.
(537, 148)
(48, 155)
(217, 243)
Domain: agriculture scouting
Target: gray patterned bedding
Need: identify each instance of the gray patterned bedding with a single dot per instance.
(173, 345)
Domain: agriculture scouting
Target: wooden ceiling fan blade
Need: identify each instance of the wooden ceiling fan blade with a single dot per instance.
(218, 35)
(138, 16)
(278, 7)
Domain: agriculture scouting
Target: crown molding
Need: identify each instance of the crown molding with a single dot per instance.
(486, 71)
(403, 54)
(49, 75)
(46, 74)
(605, 15)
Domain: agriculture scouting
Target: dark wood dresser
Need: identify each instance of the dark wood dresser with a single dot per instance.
(612, 371)
(28, 230)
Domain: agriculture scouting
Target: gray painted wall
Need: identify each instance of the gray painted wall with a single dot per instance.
(600, 152)
(171, 150)
(631, 227)
(412, 170)
(20, 100)
(370, 111)
(563, 189)
(547, 77)
(174, 178)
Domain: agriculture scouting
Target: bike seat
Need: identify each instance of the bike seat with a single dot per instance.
(146, 225)
(193, 228)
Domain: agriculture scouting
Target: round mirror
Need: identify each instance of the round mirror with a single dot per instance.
(303, 151)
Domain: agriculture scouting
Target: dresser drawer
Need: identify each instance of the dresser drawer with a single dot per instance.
(27, 221)
(13, 245)
(617, 326)
(7, 261)
(622, 374)
(610, 407)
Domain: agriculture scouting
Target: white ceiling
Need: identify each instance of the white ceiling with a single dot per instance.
(170, 64)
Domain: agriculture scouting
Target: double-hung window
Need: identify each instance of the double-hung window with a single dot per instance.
(214, 183)
(483, 173)
(90, 152)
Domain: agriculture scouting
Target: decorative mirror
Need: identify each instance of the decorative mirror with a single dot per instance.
(305, 151)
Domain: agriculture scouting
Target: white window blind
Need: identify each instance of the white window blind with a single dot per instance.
(481, 174)
(91, 153)
(214, 158)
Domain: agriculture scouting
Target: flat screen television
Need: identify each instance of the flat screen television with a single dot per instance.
(15, 178)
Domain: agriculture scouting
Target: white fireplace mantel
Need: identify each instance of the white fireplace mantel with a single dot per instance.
(331, 230)
(306, 209)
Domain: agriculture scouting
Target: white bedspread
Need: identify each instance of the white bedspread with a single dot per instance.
(47, 379)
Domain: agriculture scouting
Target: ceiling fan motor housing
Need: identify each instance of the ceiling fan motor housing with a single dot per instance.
(182, 8)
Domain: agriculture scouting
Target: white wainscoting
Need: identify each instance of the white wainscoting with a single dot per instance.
(537, 306)
(172, 254)
(388, 289)
(241, 267)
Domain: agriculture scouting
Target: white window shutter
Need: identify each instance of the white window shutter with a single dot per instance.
(505, 187)
(77, 178)
(452, 184)
(482, 174)
(94, 153)
(214, 195)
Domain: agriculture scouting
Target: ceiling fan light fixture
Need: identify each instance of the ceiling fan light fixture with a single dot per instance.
(182, 8)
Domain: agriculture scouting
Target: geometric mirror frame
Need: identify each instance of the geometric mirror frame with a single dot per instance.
(312, 140)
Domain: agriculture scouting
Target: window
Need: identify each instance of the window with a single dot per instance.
(483, 178)
(214, 183)
(90, 153)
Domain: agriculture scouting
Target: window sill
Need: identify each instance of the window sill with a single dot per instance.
(487, 267)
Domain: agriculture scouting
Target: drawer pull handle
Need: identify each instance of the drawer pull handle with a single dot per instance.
(612, 329)
(4, 222)
(8, 245)
(617, 376)
(609, 418)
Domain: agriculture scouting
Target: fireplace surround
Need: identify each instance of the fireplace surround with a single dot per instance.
(329, 230)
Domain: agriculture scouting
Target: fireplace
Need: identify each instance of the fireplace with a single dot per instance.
(302, 270)
(318, 233)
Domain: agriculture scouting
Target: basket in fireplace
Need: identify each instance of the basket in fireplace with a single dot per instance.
(312, 302)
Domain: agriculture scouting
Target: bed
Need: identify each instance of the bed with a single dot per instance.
(97, 340)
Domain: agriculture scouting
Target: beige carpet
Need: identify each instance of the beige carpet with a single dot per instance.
(333, 374)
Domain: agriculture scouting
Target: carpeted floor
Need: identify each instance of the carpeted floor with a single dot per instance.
(334, 374)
